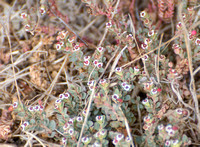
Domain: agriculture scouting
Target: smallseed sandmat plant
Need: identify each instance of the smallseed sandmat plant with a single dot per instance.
(92, 73)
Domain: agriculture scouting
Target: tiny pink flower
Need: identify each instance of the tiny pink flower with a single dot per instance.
(23, 15)
(118, 69)
(144, 46)
(100, 49)
(115, 96)
(15, 104)
(58, 101)
(151, 33)
(179, 111)
(70, 40)
(42, 10)
(37, 108)
(66, 95)
(71, 131)
(99, 65)
(108, 25)
(58, 46)
(90, 83)
(61, 96)
(86, 62)
(197, 42)
(143, 14)
(41, 108)
(115, 141)
(86, 57)
(102, 81)
(95, 62)
(30, 108)
(27, 27)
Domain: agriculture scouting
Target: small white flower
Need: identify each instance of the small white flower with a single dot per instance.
(71, 131)
(99, 118)
(145, 58)
(103, 132)
(58, 101)
(71, 40)
(115, 96)
(41, 108)
(61, 96)
(115, 141)
(160, 127)
(26, 123)
(86, 62)
(154, 91)
(66, 95)
(64, 140)
(66, 126)
(136, 69)
(118, 69)
(144, 46)
(61, 43)
(86, 57)
(37, 108)
(108, 25)
(30, 108)
(27, 27)
(90, 83)
(22, 127)
(42, 10)
(95, 62)
(124, 84)
(127, 87)
(79, 119)
(119, 137)
(171, 132)
(167, 143)
(168, 128)
(76, 48)
(15, 104)
(145, 101)
(84, 112)
(71, 121)
(147, 118)
(175, 142)
(96, 144)
(179, 111)
(128, 139)
(143, 14)
(179, 25)
(197, 42)
(100, 49)
(58, 46)
(85, 139)
(99, 65)
(23, 15)
(102, 81)
(151, 33)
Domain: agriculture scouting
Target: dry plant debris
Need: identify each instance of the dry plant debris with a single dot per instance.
(100, 73)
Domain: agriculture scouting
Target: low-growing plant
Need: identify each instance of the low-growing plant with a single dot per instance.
(90, 73)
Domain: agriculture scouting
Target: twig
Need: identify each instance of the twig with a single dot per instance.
(86, 116)
(188, 48)
(67, 25)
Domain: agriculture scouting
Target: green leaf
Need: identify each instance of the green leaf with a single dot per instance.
(127, 98)
(90, 123)
(115, 124)
(52, 134)
(96, 126)
(21, 114)
(32, 121)
(52, 125)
